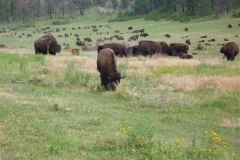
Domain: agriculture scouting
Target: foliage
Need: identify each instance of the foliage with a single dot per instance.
(60, 21)
(236, 14)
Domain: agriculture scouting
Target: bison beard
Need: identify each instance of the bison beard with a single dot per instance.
(106, 65)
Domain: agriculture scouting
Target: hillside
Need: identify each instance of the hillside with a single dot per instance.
(53, 107)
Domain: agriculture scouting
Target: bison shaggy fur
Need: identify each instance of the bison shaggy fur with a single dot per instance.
(119, 49)
(149, 47)
(45, 44)
(107, 66)
(230, 50)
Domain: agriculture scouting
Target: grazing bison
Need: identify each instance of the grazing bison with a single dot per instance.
(186, 29)
(203, 37)
(107, 66)
(119, 49)
(179, 47)
(165, 48)
(132, 51)
(185, 56)
(230, 50)
(45, 44)
(80, 43)
(143, 35)
(211, 40)
(226, 39)
(188, 42)
(167, 35)
(3, 46)
(87, 39)
(229, 26)
(149, 48)
(130, 28)
(29, 35)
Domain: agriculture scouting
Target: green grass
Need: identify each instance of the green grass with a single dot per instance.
(152, 115)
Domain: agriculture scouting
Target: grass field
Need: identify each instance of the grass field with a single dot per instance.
(53, 107)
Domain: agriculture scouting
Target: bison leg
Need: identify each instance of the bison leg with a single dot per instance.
(104, 81)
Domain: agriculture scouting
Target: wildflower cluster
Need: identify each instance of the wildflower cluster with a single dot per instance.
(137, 135)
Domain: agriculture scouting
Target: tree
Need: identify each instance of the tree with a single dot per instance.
(203, 8)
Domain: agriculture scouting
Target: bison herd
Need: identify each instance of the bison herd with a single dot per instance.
(107, 52)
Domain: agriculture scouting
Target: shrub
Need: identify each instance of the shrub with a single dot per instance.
(60, 21)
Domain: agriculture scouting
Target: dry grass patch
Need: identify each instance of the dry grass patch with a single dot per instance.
(190, 83)
(17, 50)
(6, 95)
(230, 123)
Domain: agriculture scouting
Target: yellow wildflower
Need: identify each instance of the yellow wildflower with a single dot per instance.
(224, 144)
(129, 127)
(125, 120)
(122, 129)
(206, 131)
(203, 149)
(194, 151)
(133, 150)
(214, 133)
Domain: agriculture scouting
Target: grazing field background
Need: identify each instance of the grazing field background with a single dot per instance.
(53, 107)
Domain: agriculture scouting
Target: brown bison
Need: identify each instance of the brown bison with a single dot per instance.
(80, 43)
(185, 56)
(188, 42)
(107, 66)
(149, 48)
(203, 37)
(179, 47)
(45, 44)
(230, 50)
(87, 39)
(119, 49)
(168, 35)
(186, 29)
(229, 26)
(165, 48)
(3, 46)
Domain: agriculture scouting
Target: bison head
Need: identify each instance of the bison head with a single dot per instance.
(114, 79)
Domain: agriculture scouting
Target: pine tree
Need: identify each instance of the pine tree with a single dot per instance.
(203, 8)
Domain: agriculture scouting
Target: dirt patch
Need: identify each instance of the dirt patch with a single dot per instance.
(230, 123)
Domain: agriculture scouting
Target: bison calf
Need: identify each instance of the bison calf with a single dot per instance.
(107, 66)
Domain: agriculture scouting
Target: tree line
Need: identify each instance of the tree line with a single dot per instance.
(30, 10)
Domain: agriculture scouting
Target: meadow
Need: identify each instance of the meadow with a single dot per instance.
(53, 107)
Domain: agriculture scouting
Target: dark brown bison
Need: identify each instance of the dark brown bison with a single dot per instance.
(149, 48)
(211, 40)
(47, 44)
(203, 37)
(87, 39)
(119, 49)
(132, 51)
(186, 29)
(143, 35)
(230, 50)
(179, 47)
(3, 46)
(107, 66)
(130, 28)
(185, 56)
(226, 39)
(202, 41)
(167, 35)
(80, 43)
(188, 42)
(165, 48)
(229, 26)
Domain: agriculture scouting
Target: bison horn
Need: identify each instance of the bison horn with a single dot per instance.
(123, 77)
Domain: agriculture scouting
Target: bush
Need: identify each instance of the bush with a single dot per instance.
(60, 21)
(236, 14)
